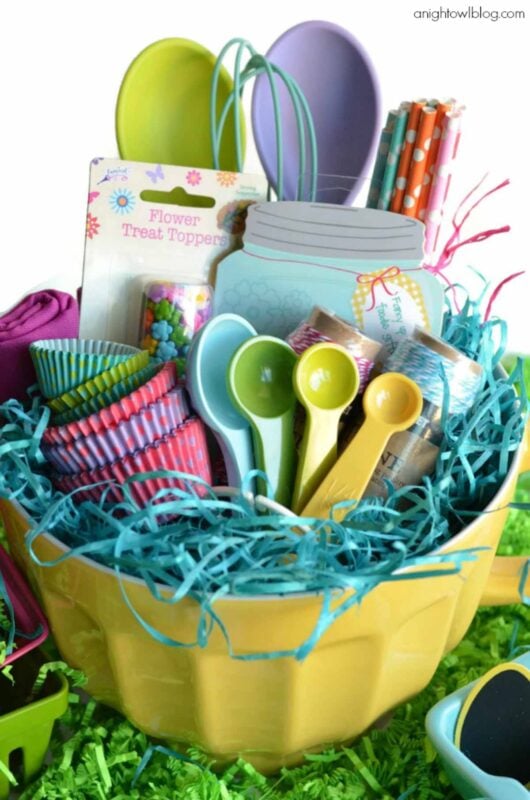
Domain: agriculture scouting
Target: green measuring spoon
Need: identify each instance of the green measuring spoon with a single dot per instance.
(259, 381)
(326, 380)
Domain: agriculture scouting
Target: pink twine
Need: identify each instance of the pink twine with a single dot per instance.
(305, 335)
(389, 274)
(497, 289)
(454, 242)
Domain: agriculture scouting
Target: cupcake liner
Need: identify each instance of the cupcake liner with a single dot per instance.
(104, 399)
(184, 450)
(100, 384)
(58, 459)
(162, 378)
(61, 364)
(71, 483)
(124, 438)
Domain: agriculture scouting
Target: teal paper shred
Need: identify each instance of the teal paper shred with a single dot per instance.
(218, 546)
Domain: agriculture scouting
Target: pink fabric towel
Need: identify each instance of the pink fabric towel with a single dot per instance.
(43, 315)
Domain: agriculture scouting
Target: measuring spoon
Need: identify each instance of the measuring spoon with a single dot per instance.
(326, 380)
(260, 386)
(208, 360)
(392, 402)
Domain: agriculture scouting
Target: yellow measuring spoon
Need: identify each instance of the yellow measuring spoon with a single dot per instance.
(392, 402)
(325, 380)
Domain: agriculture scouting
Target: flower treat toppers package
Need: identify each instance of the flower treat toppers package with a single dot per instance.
(152, 222)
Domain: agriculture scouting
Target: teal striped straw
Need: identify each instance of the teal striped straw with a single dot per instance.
(380, 160)
(392, 161)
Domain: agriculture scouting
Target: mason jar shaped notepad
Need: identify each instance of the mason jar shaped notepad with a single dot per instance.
(363, 264)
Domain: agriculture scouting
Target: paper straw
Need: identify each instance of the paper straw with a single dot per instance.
(396, 143)
(441, 110)
(418, 162)
(380, 161)
(406, 155)
(442, 177)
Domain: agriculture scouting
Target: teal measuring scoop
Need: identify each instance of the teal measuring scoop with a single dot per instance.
(208, 359)
(260, 386)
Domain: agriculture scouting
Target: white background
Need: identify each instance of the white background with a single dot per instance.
(61, 65)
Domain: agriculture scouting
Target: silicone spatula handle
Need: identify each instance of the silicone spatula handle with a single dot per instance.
(348, 478)
(318, 453)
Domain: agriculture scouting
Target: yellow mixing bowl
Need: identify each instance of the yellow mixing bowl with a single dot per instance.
(373, 658)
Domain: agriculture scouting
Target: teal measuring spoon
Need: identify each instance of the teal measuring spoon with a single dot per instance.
(260, 386)
(208, 360)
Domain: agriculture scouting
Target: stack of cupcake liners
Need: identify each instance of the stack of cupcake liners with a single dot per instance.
(184, 450)
(130, 418)
(146, 426)
(102, 385)
(105, 397)
(161, 379)
(62, 364)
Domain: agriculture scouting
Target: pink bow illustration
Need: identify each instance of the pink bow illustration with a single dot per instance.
(388, 274)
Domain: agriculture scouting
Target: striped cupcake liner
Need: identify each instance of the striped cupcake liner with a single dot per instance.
(125, 438)
(104, 399)
(185, 450)
(161, 379)
(98, 386)
(62, 364)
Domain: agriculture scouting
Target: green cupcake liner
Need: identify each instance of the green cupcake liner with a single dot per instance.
(106, 398)
(62, 364)
(99, 384)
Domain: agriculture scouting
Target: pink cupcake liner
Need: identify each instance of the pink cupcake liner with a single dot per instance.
(162, 381)
(125, 438)
(185, 450)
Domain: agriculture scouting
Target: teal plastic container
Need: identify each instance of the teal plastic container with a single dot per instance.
(469, 781)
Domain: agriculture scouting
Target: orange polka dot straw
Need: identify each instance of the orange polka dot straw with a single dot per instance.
(418, 162)
(406, 155)
(441, 111)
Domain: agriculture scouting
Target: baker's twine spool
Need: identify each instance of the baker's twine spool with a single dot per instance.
(324, 326)
(434, 364)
